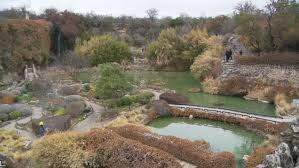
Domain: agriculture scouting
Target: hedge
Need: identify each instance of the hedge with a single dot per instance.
(141, 98)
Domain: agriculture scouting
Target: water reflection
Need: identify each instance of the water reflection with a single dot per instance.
(221, 136)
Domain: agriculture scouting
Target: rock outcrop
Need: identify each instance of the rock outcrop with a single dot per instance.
(287, 153)
(77, 108)
(53, 124)
(6, 111)
(72, 98)
(174, 98)
(7, 161)
(160, 108)
(70, 90)
(280, 158)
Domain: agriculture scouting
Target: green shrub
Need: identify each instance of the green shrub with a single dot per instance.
(103, 49)
(24, 98)
(60, 111)
(14, 115)
(113, 82)
(142, 98)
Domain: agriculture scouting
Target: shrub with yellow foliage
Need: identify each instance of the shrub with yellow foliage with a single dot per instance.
(164, 50)
(103, 49)
(173, 51)
(208, 64)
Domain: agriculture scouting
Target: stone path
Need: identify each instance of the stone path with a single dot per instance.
(228, 68)
(236, 113)
(236, 46)
(93, 120)
(16, 125)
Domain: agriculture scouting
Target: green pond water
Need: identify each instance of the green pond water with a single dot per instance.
(221, 136)
(181, 82)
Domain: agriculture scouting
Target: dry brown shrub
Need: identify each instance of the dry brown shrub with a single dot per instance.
(236, 86)
(60, 150)
(285, 58)
(24, 42)
(112, 150)
(284, 106)
(97, 148)
(211, 85)
(174, 98)
(8, 100)
(195, 152)
(258, 155)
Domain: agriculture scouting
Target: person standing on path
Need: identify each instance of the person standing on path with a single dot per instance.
(228, 55)
(41, 129)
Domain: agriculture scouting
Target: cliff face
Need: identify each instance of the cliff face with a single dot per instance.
(23, 42)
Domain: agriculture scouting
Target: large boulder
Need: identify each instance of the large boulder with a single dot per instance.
(281, 158)
(7, 161)
(72, 98)
(160, 108)
(40, 87)
(70, 90)
(174, 98)
(5, 108)
(12, 93)
(75, 108)
(23, 110)
(53, 124)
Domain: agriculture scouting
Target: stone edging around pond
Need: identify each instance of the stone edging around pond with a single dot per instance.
(259, 126)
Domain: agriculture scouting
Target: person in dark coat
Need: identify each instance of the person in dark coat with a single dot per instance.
(228, 55)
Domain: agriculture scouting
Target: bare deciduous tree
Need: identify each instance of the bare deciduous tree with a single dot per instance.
(152, 14)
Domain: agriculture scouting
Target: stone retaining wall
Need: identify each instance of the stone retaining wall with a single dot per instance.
(256, 125)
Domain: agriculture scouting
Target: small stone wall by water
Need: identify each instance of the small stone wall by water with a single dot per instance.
(195, 152)
(256, 125)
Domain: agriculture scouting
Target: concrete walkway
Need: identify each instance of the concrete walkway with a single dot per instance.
(16, 124)
(235, 113)
(92, 121)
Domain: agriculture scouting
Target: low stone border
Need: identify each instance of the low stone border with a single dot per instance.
(256, 125)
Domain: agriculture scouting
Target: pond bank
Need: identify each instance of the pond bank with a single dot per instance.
(182, 82)
(221, 136)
